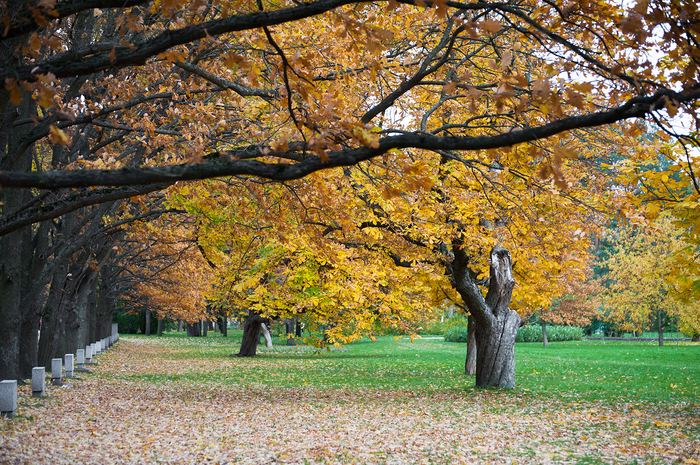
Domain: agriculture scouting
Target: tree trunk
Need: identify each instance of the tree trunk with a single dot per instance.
(661, 328)
(147, 332)
(194, 329)
(160, 327)
(266, 334)
(544, 334)
(179, 326)
(470, 362)
(251, 335)
(205, 328)
(290, 326)
(496, 324)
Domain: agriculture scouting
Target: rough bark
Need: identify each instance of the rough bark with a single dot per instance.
(160, 327)
(470, 362)
(251, 334)
(544, 334)
(496, 324)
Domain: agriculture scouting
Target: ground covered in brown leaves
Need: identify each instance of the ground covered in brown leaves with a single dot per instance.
(145, 403)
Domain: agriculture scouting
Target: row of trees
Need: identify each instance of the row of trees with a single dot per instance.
(419, 151)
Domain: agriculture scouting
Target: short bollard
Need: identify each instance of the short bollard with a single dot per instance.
(8, 397)
(69, 365)
(80, 360)
(38, 382)
(56, 371)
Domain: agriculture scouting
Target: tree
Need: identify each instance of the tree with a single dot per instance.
(141, 95)
(641, 284)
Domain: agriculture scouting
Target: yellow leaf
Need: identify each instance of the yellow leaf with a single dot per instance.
(57, 136)
(490, 25)
(661, 423)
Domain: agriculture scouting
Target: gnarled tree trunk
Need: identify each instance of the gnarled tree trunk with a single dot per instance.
(251, 334)
(496, 324)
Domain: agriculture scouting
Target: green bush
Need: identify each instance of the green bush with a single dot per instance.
(457, 334)
(441, 327)
(533, 333)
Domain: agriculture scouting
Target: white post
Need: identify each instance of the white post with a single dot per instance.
(38, 381)
(56, 371)
(80, 358)
(69, 365)
(8, 397)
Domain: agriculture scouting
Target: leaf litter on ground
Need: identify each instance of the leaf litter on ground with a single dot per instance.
(150, 401)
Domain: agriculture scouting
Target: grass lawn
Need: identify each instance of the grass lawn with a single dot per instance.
(187, 400)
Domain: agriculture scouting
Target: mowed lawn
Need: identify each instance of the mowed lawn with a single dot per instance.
(187, 400)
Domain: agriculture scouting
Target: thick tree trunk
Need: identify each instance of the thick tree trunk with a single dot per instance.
(205, 328)
(497, 325)
(194, 329)
(470, 362)
(160, 327)
(251, 335)
(544, 334)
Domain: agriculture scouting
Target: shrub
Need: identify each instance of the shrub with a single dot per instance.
(441, 327)
(533, 333)
(457, 334)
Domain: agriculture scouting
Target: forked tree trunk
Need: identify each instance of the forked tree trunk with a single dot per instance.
(251, 335)
(470, 362)
(496, 324)
(544, 334)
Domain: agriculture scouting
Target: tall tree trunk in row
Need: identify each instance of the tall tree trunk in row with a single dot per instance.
(251, 334)
(497, 325)
(661, 328)
(147, 332)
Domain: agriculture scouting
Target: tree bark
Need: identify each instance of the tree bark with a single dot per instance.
(194, 329)
(160, 327)
(290, 326)
(496, 324)
(661, 328)
(251, 334)
(544, 334)
(266, 334)
(147, 332)
(470, 362)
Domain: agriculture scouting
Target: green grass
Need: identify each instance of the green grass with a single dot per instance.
(608, 372)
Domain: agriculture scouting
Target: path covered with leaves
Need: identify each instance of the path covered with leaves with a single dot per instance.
(144, 403)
